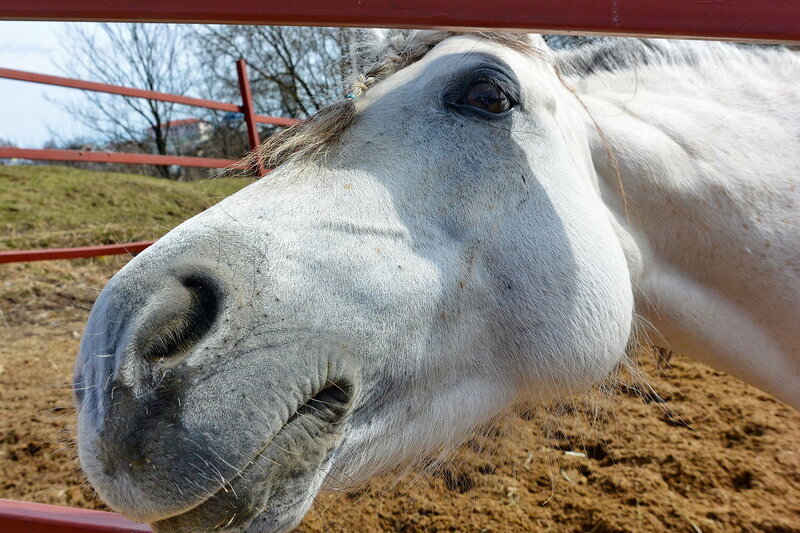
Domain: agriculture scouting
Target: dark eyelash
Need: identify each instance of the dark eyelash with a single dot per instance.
(512, 100)
(483, 78)
(506, 82)
(498, 81)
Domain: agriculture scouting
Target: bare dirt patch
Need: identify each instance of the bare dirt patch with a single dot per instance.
(712, 455)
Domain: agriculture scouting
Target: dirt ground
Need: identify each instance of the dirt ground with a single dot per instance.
(710, 455)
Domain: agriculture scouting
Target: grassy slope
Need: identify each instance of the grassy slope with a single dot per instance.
(52, 206)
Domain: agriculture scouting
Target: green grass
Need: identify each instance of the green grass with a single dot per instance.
(53, 206)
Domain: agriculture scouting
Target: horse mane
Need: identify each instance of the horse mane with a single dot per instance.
(610, 55)
(604, 54)
(382, 53)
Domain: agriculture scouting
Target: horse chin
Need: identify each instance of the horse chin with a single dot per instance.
(270, 495)
(271, 490)
(279, 522)
(272, 519)
(268, 517)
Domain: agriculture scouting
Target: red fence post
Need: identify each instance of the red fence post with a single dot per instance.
(249, 112)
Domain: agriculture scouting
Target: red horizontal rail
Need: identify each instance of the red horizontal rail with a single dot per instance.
(21, 75)
(47, 79)
(24, 517)
(761, 20)
(22, 256)
(276, 121)
(117, 157)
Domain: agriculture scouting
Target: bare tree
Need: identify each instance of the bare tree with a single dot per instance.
(145, 56)
(293, 70)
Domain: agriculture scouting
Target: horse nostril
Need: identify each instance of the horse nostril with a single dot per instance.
(331, 403)
(333, 394)
(185, 314)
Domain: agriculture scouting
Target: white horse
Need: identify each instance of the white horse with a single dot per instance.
(480, 222)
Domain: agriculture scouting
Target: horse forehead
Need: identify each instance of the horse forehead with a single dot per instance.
(459, 48)
(465, 45)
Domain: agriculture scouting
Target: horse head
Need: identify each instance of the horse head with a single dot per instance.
(433, 250)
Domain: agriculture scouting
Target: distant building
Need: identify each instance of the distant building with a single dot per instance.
(184, 133)
(12, 160)
(233, 119)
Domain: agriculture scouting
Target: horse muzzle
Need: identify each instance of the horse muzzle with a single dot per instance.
(196, 412)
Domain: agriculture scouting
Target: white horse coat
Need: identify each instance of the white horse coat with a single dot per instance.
(481, 222)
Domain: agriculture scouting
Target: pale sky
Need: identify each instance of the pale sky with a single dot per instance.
(25, 112)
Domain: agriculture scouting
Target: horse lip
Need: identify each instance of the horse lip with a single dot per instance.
(205, 501)
(227, 483)
(226, 487)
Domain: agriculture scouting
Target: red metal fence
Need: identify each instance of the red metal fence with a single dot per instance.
(251, 120)
(763, 20)
(24, 517)
(91, 156)
(250, 117)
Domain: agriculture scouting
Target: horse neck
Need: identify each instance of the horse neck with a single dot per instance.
(700, 178)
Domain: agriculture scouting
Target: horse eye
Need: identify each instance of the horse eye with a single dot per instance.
(487, 96)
